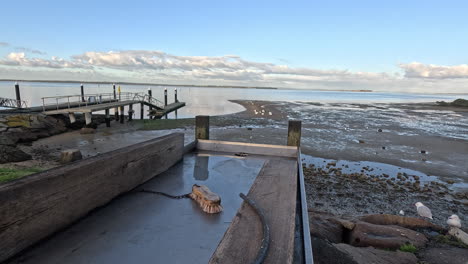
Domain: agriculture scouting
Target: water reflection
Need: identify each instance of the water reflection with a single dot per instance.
(200, 170)
(212, 101)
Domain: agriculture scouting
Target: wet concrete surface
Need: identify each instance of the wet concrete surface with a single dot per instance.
(146, 228)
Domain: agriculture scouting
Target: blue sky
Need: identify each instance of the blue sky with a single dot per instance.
(352, 36)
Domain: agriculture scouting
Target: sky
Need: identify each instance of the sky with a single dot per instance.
(412, 46)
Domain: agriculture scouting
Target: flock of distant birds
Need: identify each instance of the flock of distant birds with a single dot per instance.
(424, 211)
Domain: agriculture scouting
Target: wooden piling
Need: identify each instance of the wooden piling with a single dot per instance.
(18, 95)
(122, 115)
(175, 95)
(130, 112)
(107, 118)
(116, 113)
(72, 117)
(82, 93)
(150, 94)
(116, 110)
(165, 96)
(142, 111)
(202, 127)
(294, 133)
(88, 118)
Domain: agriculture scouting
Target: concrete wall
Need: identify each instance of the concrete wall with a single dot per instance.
(38, 205)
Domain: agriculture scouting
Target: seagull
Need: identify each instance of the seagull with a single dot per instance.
(454, 221)
(402, 212)
(423, 210)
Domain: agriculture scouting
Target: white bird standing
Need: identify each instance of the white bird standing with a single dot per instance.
(402, 212)
(423, 210)
(454, 221)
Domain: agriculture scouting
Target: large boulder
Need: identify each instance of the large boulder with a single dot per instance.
(323, 226)
(12, 154)
(371, 255)
(70, 155)
(449, 255)
(384, 236)
(329, 253)
(408, 222)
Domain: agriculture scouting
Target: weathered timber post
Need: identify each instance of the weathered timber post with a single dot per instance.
(294, 133)
(116, 110)
(88, 118)
(165, 96)
(82, 93)
(72, 117)
(122, 116)
(130, 112)
(202, 127)
(116, 113)
(142, 111)
(175, 95)
(107, 118)
(150, 94)
(18, 95)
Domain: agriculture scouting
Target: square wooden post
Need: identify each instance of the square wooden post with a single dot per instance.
(294, 133)
(202, 127)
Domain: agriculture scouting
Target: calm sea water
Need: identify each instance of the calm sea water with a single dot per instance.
(214, 101)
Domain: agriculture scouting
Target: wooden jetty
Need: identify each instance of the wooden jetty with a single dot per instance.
(89, 103)
(270, 225)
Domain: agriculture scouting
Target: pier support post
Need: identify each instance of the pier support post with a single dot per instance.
(116, 113)
(18, 95)
(150, 94)
(175, 95)
(116, 110)
(202, 127)
(82, 93)
(142, 111)
(130, 112)
(72, 117)
(294, 133)
(165, 96)
(88, 118)
(122, 116)
(107, 118)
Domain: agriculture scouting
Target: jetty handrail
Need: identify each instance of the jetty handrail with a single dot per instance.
(13, 103)
(149, 99)
(78, 100)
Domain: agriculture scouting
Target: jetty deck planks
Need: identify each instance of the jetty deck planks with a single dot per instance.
(274, 190)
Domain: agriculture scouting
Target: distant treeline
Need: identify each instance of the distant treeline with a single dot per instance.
(457, 103)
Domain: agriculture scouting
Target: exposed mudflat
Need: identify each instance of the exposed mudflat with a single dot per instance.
(422, 148)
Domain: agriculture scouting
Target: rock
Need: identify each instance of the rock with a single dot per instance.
(345, 223)
(361, 141)
(328, 253)
(423, 152)
(384, 236)
(450, 255)
(70, 155)
(408, 222)
(322, 227)
(87, 130)
(380, 130)
(12, 154)
(459, 234)
(5, 140)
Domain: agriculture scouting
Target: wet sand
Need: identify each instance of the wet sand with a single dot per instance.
(347, 133)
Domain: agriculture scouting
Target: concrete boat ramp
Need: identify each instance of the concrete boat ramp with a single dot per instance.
(101, 216)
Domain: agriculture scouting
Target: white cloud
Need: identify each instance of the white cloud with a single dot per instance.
(20, 59)
(161, 67)
(420, 70)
